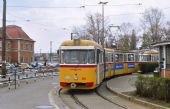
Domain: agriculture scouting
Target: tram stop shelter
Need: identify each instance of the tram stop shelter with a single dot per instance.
(164, 57)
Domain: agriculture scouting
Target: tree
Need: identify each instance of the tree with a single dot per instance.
(146, 41)
(166, 31)
(93, 28)
(133, 41)
(152, 24)
(124, 37)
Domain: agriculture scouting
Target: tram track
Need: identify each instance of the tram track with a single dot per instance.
(99, 93)
(89, 99)
(77, 101)
(100, 98)
(73, 97)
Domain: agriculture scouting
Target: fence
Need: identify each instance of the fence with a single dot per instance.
(17, 76)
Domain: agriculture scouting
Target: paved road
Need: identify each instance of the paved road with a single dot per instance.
(34, 95)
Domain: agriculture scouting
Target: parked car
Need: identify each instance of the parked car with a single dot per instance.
(25, 66)
(37, 65)
(53, 65)
(10, 66)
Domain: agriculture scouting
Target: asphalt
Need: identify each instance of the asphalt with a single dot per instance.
(122, 84)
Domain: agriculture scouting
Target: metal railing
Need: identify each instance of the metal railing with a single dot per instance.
(18, 75)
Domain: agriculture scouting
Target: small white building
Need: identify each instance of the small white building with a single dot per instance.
(164, 60)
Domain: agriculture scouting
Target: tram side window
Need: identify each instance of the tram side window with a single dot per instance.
(125, 57)
(112, 58)
(99, 56)
(106, 57)
(118, 57)
(136, 57)
(130, 57)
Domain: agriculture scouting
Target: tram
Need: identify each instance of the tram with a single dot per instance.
(81, 64)
(84, 64)
(149, 56)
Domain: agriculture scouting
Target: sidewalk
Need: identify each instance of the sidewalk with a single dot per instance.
(127, 84)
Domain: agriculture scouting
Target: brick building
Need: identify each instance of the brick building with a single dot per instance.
(19, 46)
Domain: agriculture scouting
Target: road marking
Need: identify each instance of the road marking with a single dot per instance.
(44, 107)
(51, 99)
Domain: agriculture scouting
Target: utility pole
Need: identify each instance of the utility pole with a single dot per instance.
(103, 4)
(4, 40)
(71, 36)
(51, 51)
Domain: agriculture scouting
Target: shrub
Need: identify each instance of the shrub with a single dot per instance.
(153, 87)
(146, 67)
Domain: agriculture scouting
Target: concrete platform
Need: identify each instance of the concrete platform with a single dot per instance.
(126, 84)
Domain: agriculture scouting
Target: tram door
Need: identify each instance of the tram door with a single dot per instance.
(100, 66)
(113, 64)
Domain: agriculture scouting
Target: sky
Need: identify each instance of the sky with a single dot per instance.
(53, 20)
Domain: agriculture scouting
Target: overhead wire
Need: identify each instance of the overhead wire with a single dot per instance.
(17, 6)
(52, 7)
(124, 14)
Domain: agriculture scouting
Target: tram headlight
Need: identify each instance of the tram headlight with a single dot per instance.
(67, 77)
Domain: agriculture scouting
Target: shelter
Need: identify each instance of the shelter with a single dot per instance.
(164, 50)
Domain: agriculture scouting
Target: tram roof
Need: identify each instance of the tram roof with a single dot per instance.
(78, 42)
(151, 52)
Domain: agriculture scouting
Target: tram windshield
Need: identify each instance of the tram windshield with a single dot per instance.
(78, 57)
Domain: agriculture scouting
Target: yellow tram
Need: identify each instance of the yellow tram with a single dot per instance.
(81, 64)
(85, 64)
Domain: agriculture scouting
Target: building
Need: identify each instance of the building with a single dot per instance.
(19, 46)
(164, 50)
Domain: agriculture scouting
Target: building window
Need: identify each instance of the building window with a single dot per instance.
(8, 59)
(9, 46)
(31, 48)
(22, 59)
(31, 59)
(22, 47)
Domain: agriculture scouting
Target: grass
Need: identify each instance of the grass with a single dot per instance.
(152, 100)
(166, 104)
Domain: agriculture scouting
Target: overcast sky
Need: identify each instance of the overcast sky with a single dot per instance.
(45, 24)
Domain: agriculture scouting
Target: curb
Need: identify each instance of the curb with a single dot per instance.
(135, 100)
(56, 100)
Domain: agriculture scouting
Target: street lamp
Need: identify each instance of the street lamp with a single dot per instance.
(103, 4)
(4, 40)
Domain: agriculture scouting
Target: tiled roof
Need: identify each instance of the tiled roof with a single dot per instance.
(16, 32)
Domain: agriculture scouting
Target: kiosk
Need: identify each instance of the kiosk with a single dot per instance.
(164, 57)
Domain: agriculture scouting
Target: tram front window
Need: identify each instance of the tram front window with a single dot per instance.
(78, 57)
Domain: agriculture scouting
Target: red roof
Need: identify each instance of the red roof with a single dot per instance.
(16, 32)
